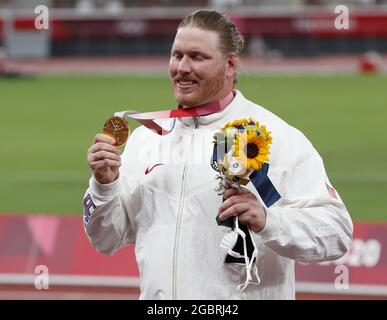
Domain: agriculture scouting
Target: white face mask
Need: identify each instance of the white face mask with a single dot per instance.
(227, 245)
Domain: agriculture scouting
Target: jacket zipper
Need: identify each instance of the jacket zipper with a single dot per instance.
(179, 214)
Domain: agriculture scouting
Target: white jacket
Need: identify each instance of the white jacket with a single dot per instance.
(169, 211)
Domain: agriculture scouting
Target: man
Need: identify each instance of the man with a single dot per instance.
(162, 198)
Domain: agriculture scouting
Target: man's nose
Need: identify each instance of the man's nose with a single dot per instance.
(184, 66)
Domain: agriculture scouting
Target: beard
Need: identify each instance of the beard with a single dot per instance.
(204, 93)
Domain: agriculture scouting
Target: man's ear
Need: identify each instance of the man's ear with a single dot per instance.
(232, 63)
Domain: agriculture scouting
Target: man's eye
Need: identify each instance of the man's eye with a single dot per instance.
(198, 57)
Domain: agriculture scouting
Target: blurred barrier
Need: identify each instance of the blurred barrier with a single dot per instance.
(151, 31)
(32, 243)
(59, 243)
(362, 271)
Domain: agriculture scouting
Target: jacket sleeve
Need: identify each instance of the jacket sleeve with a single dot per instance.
(109, 210)
(310, 223)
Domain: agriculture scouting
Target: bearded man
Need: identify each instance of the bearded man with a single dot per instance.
(159, 195)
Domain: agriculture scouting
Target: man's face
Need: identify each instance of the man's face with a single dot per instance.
(199, 72)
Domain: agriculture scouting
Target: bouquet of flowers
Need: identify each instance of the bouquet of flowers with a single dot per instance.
(241, 148)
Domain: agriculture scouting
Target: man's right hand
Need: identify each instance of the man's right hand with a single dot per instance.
(104, 159)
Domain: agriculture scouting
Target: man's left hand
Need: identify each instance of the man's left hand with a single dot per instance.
(242, 203)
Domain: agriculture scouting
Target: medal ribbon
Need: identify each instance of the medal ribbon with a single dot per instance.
(147, 118)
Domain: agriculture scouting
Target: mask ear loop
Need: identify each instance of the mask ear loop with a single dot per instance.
(248, 262)
(243, 235)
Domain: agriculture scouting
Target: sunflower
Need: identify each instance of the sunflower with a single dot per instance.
(252, 147)
(236, 124)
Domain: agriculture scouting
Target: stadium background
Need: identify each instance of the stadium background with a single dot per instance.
(57, 86)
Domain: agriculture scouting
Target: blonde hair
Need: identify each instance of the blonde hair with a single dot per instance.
(231, 41)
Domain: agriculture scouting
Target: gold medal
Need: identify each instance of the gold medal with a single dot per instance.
(117, 128)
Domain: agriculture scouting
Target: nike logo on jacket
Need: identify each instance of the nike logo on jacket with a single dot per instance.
(149, 170)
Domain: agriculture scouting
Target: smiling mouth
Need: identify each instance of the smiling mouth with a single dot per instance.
(186, 84)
